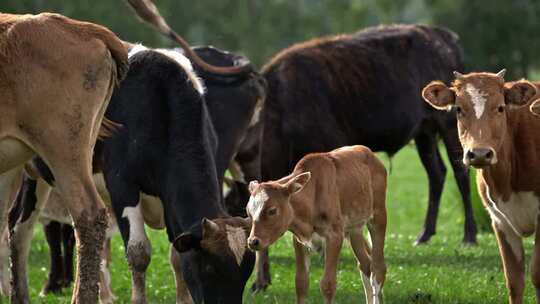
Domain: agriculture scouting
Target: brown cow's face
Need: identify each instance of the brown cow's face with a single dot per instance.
(270, 209)
(481, 101)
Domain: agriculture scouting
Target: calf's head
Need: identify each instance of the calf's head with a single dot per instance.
(215, 261)
(481, 102)
(270, 210)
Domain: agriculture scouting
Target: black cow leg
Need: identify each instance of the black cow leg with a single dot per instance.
(455, 154)
(53, 235)
(68, 241)
(426, 145)
(264, 278)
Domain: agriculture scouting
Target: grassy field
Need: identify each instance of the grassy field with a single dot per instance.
(442, 272)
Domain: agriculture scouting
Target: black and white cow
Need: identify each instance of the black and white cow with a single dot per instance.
(163, 165)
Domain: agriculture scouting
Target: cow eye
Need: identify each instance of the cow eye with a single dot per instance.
(500, 109)
(272, 211)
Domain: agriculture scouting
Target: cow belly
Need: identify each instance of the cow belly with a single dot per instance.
(152, 210)
(520, 213)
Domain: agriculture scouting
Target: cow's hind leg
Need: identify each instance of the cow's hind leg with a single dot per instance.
(428, 151)
(328, 285)
(182, 292)
(55, 280)
(68, 245)
(33, 196)
(362, 252)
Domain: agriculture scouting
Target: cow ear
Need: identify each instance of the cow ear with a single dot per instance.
(519, 93)
(209, 227)
(297, 183)
(535, 107)
(252, 185)
(187, 241)
(439, 96)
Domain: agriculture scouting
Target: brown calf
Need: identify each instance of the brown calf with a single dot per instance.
(56, 79)
(500, 138)
(330, 196)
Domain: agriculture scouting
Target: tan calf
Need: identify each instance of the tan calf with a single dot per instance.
(500, 138)
(328, 196)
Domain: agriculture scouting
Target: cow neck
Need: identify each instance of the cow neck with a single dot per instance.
(302, 223)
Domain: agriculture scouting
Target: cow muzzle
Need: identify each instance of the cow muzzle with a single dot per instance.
(254, 243)
(480, 157)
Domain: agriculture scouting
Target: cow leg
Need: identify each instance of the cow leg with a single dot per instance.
(182, 292)
(513, 258)
(328, 283)
(302, 271)
(4, 269)
(131, 224)
(535, 264)
(426, 144)
(20, 237)
(377, 231)
(55, 280)
(106, 295)
(362, 253)
(68, 242)
(461, 173)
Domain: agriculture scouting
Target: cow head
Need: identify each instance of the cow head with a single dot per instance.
(215, 262)
(480, 101)
(270, 209)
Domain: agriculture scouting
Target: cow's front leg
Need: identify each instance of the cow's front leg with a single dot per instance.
(334, 242)
(535, 264)
(302, 271)
(511, 249)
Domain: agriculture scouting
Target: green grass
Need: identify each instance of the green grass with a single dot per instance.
(442, 272)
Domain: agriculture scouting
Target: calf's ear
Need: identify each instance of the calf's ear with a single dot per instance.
(439, 96)
(535, 107)
(209, 227)
(297, 183)
(187, 241)
(519, 93)
(252, 185)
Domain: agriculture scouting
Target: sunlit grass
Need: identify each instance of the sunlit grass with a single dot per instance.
(442, 272)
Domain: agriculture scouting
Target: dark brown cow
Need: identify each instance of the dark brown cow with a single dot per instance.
(329, 196)
(500, 138)
(56, 79)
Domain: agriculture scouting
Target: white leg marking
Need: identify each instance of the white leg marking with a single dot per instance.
(236, 238)
(256, 204)
(136, 224)
(368, 289)
(478, 99)
(376, 290)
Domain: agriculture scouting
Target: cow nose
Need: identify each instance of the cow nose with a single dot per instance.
(480, 156)
(254, 243)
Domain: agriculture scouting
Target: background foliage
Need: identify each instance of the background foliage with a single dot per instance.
(495, 34)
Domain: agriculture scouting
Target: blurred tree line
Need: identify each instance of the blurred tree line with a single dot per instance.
(494, 34)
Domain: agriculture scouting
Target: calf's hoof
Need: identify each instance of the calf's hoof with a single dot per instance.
(423, 238)
(260, 285)
(51, 287)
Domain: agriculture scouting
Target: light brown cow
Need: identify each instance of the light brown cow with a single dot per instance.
(56, 78)
(500, 138)
(329, 196)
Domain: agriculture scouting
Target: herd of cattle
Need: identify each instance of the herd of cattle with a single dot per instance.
(111, 136)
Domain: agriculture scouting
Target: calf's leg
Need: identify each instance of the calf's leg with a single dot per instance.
(535, 264)
(68, 242)
(55, 280)
(328, 283)
(302, 271)
(377, 231)
(362, 253)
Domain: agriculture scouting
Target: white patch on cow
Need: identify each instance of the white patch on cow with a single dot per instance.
(516, 218)
(136, 224)
(376, 290)
(256, 204)
(105, 271)
(179, 58)
(368, 289)
(257, 112)
(478, 99)
(236, 238)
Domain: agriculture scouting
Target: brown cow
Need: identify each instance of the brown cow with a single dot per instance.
(499, 137)
(329, 196)
(56, 78)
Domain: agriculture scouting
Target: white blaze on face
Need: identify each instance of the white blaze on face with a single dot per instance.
(236, 238)
(478, 99)
(256, 204)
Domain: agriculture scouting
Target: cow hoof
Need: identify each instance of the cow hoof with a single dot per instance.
(260, 285)
(423, 239)
(51, 287)
(470, 241)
